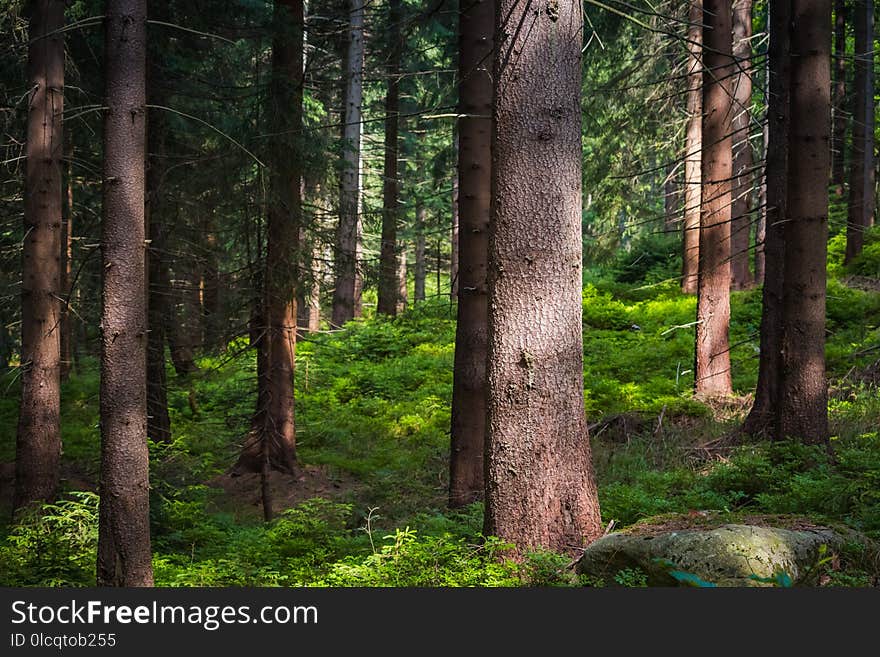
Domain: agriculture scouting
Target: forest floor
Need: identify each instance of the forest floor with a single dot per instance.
(373, 404)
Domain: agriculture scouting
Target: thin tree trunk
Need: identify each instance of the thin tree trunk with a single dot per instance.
(670, 199)
(454, 257)
(803, 389)
(38, 440)
(124, 557)
(401, 282)
(861, 178)
(473, 197)
(712, 355)
(540, 488)
(389, 285)
(740, 228)
(839, 108)
(693, 149)
(763, 196)
(761, 420)
(212, 319)
(346, 294)
(421, 269)
(66, 271)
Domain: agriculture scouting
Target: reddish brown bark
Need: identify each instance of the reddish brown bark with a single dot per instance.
(66, 284)
(860, 213)
(839, 109)
(474, 176)
(712, 357)
(740, 228)
(389, 283)
(124, 557)
(38, 440)
(540, 488)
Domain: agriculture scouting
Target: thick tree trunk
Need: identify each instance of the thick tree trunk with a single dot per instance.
(803, 389)
(761, 420)
(389, 284)
(540, 488)
(212, 319)
(38, 440)
(712, 355)
(740, 228)
(124, 557)
(861, 178)
(839, 108)
(66, 271)
(346, 293)
(693, 149)
(473, 197)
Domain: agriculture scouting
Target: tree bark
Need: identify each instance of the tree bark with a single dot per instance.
(472, 191)
(693, 149)
(712, 355)
(38, 439)
(861, 178)
(803, 389)
(124, 557)
(421, 268)
(540, 488)
(346, 295)
(740, 228)
(839, 108)
(212, 319)
(389, 284)
(761, 421)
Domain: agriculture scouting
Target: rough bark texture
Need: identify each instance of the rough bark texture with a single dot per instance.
(474, 187)
(124, 535)
(861, 177)
(670, 199)
(38, 440)
(346, 293)
(803, 388)
(540, 486)
(389, 285)
(839, 109)
(285, 217)
(761, 420)
(712, 355)
(212, 320)
(693, 149)
(740, 227)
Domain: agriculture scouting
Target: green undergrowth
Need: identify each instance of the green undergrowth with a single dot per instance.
(373, 412)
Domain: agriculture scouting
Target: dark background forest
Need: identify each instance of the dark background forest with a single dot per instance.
(393, 293)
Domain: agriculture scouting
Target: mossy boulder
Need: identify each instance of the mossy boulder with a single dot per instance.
(726, 555)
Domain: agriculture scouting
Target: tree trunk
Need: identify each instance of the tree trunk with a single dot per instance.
(803, 389)
(712, 355)
(540, 489)
(761, 420)
(693, 149)
(421, 269)
(740, 228)
(346, 294)
(275, 410)
(124, 557)
(159, 284)
(454, 251)
(389, 284)
(401, 282)
(763, 197)
(212, 319)
(670, 199)
(861, 178)
(66, 271)
(839, 108)
(181, 316)
(38, 440)
(473, 197)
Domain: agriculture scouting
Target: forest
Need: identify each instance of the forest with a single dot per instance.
(453, 293)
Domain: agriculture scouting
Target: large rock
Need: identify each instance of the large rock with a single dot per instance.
(726, 555)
